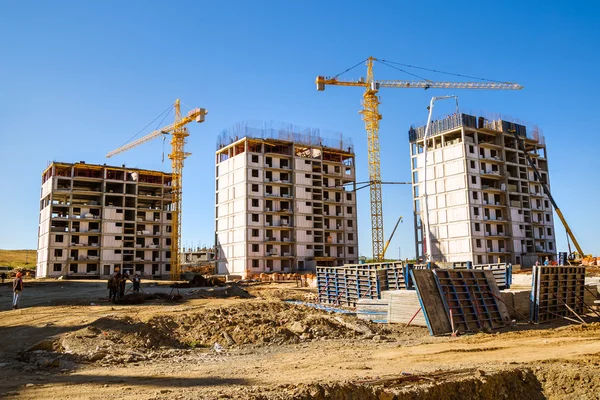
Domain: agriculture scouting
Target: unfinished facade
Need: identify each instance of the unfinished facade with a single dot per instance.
(284, 202)
(485, 204)
(95, 218)
(198, 256)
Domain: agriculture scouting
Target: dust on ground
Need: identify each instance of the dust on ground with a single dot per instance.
(249, 343)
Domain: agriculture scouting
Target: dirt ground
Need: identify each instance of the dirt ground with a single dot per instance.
(68, 342)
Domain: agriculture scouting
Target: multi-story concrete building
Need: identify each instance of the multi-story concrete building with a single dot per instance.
(95, 218)
(191, 257)
(284, 204)
(485, 204)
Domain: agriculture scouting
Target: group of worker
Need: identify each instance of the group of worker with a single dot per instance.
(116, 285)
(547, 262)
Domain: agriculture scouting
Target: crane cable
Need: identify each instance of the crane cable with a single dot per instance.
(439, 72)
(151, 122)
(164, 136)
(387, 63)
(351, 68)
(401, 70)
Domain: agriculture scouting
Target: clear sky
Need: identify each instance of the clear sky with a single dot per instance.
(79, 78)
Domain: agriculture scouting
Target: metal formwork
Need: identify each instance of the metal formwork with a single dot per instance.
(557, 292)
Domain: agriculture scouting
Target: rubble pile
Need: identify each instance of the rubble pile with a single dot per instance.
(260, 323)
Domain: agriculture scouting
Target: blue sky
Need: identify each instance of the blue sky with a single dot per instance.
(79, 78)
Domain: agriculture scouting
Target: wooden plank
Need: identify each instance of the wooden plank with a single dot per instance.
(431, 302)
(404, 304)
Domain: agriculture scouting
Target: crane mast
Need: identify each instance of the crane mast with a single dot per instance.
(371, 117)
(177, 156)
(179, 134)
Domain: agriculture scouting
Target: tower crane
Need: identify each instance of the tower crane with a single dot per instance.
(371, 116)
(178, 133)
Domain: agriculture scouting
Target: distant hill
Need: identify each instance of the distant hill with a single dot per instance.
(16, 258)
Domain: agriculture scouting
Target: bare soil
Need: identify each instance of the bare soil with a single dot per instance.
(251, 344)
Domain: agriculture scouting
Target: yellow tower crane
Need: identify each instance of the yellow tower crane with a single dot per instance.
(178, 133)
(371, 117)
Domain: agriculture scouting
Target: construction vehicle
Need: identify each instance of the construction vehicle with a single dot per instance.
(577, 257)
(178, 155)
(371, 117)
(391, 236)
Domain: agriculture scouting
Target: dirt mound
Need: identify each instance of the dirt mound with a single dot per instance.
(110, 339)
(230, 291)
(509, 385)
(265, 292)
(260, 323)
(139, 298)
(127, 339)
(570, 379)
(116, 338)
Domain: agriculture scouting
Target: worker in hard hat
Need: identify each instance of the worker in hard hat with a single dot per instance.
(17, 289)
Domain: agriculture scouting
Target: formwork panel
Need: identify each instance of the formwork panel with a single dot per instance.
(471, 299)
(557, 292)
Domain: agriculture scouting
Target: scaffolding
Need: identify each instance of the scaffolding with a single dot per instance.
(283, 131)
(455, 121)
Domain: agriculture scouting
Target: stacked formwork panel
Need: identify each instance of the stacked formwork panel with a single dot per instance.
(502, 273)
(344, 286)
(352, 282)
(396, 276)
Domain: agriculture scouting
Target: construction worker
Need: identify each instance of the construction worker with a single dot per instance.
(17, 289)
(121, 284)
(546, 261)
(112, 286)
(136, 283)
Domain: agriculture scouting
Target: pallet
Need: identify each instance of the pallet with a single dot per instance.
(557, 292)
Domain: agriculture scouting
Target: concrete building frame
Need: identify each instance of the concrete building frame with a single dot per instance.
(485, 204)
(97, 218)
(284, 205)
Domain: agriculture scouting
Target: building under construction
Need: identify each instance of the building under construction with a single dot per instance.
(485, 204)
(97, 218)
(285, 200)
